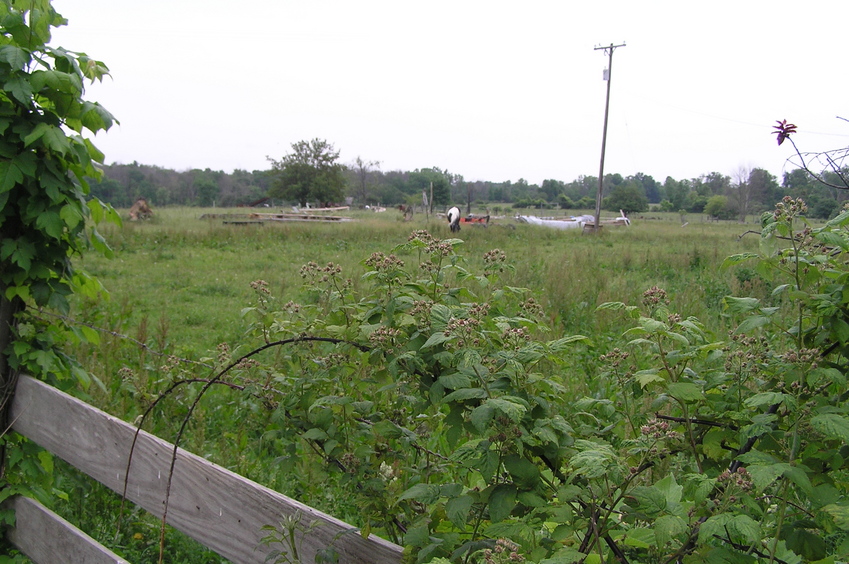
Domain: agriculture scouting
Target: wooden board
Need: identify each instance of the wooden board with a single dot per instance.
(216, 507)
(46, 538)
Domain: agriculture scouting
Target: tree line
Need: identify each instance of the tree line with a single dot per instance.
(312, 173)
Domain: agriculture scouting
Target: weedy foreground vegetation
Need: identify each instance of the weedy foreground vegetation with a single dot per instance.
(515, 394)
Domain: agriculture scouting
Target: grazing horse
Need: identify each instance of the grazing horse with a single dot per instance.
(454, 219)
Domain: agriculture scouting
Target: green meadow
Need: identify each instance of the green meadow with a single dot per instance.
(178, 284)
(183, 280)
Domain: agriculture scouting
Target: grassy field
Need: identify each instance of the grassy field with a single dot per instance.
(178, 284)
(184, 280)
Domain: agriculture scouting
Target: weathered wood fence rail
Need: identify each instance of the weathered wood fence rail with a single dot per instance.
(214, 506)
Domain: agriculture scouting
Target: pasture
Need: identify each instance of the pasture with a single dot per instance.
(184, 280)
(178, 285)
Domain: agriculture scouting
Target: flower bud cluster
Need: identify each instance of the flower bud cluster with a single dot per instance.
(532, 308)
(655, 296)
(384, 337)
(172, 363)
(261, 286)
(805, 357)
(659, 430)
(505, 551)
(741, 478)
(420, 235)
(465, 329)
(383, 262)
(494, 261)
(788, 208)
(315, 274)
(516, 337)
(223, 353)
(292, 307)
(615, 357)
(247, 364)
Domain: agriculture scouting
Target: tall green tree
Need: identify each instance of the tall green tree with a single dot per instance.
(311, 172)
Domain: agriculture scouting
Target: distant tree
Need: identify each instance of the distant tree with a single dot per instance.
(695, 203)
(207, 191)
(712, 184)
(717, 206)
(586, 203)
(740, 194)
(309, 173)
(650, 187)
(363, 173)
(551, 189)
(627, 197)
(666, 206)
(565, 202)
(421, 180)
(676, 191)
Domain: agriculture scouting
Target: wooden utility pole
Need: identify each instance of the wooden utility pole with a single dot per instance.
(609, 75)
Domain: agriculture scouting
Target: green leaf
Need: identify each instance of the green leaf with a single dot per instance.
(650, 499)
(566, 555)
(751, 323)
(457, 510)
(51, 137)
(481, 416)
(524, 472)
(464, 394)
(834, 239)
(561, 345)
(670, 489)
(502, 500)
(840, 514)
(611, 306)
(764, 474)
(685, 391)
(455, 381)
(592, 460)
(806, 544)
(640, 538)
(797, 475)
(10, 175)
(46, 460)
(737, 259)
(667, 528)
(14, 56)
(832, 426)
(740, 305)
(437, 339)
(742, 528)
(20, 89)
(315, 434)
(95, 117)
(646, 377)
(424, 493)
(512, 408)
(765, 399)
(440, 315)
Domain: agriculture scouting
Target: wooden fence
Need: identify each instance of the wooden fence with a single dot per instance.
(214, 506)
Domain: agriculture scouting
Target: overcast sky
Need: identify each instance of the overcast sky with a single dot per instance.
(490, 90)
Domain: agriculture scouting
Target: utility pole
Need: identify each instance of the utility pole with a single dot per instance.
(609, 52)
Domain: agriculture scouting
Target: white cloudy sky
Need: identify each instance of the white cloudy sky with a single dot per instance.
(490, 90)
